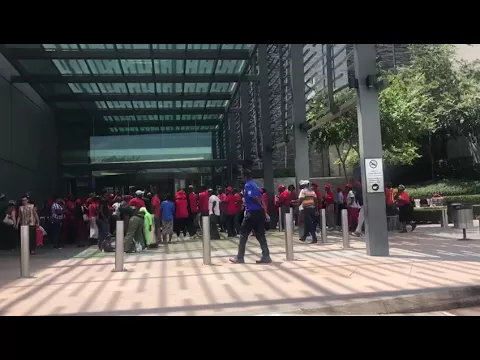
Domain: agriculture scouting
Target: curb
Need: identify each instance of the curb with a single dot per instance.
(419, 303)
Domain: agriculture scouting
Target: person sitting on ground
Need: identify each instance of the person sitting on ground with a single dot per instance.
(135, 239)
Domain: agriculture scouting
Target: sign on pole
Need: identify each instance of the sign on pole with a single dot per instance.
(374, 175)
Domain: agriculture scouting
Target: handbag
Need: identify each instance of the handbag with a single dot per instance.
(85, 217)
(8, 220)
(39, 237)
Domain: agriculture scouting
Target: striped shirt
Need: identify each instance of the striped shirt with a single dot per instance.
(57, 212)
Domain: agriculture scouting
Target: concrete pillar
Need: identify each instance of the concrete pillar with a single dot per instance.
(299, 112)
(265, 124)
(370, 141)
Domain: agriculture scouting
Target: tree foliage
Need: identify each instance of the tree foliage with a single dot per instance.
(435, 95)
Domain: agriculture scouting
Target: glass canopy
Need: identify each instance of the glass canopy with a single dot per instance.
(121, 83)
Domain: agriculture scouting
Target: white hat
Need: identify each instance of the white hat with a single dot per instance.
(139, 192)
(304, 182)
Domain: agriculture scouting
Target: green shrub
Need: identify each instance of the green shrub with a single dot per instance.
(427, 215)
(463, 199)
(445, 188)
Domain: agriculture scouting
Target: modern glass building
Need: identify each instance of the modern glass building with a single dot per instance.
(82, 116)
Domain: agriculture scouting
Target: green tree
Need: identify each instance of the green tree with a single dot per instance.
(435, 98)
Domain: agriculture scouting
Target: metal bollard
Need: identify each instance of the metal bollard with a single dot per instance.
(119, 247)
(24, 251)
(444, 218)
(324, 225)
(289, 236)
(280, 218)
(346, 235)
(207, 254)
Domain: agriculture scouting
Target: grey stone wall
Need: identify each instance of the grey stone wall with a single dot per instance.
(28, 145)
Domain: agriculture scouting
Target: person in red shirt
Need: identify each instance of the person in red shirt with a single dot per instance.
(238, 209)
(265, 206)
(330, 207)
(223, 210)
(292, 198)
(203, 201)
(68, 231)
(389, 199)
(137, 201)
(231, 212)
(283, 203)
(192, 210)
(157, 214)
(181, 214)
(92, 219)
(405, 209)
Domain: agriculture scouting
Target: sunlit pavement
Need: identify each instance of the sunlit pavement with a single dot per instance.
(173, 280)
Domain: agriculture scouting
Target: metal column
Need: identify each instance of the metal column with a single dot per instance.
(299, 112)
(207, 252)
(266, 122)
(24, 251)
(289, 236)
(370, 140)
(119, 247)
(245, 114)
(232, 145)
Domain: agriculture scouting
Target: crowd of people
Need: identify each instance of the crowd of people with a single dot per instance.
(151, 219)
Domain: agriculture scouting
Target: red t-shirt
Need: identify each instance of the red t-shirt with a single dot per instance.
(231, 204)
(239, 203)
(403, 199)
(292, 195)
(92, 210)
(389, 196)
(319, 197)
(181, 206)
(203, 201)
(137, 202)
(283, 199)
(70, 210)
(223, 199)
(329, 198)
(156, 206)
(192, 199)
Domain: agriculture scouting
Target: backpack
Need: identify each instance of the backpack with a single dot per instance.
(108, 245)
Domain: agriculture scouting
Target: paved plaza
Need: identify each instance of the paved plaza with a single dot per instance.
(173, 280)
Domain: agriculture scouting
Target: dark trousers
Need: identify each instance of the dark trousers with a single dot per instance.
(309, 223)
(223, 220)
(180, 226)
(238, 221)
(191, 225)
(55, 232)
(214, 234)
(231, 225)
(103, 229)
(253, 220)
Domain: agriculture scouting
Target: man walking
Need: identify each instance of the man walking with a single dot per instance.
(255, 216)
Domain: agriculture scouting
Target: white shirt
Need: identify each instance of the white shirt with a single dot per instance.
(350, 197)
(214, 210)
